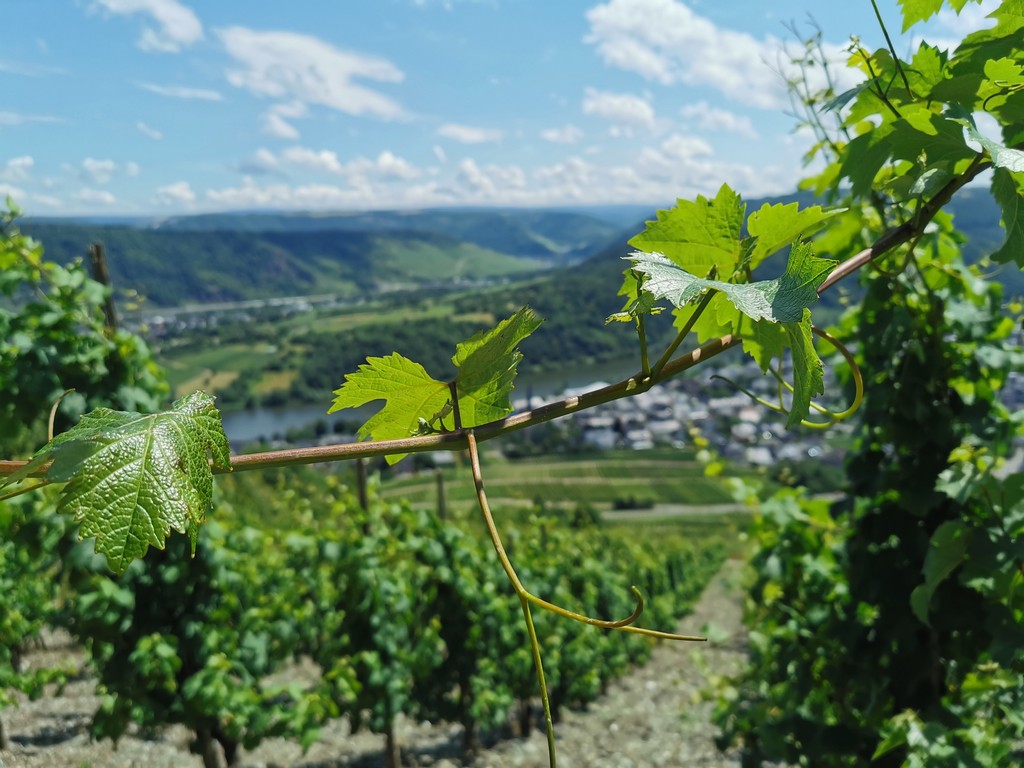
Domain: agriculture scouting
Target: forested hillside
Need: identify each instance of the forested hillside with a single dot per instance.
(172, 268)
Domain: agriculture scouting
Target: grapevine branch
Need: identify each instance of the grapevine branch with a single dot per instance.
(640, 382)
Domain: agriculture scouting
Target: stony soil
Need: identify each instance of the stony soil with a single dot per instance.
(655, 717)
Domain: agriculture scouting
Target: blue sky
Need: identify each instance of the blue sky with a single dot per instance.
(176, 106)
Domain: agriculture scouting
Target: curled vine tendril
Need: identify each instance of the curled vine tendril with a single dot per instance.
(833, 416)
(526, 597)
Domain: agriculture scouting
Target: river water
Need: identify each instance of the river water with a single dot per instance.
(267, 423)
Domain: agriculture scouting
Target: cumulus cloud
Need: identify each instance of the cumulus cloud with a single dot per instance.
(149, 131)
(624, 110)
(182, 92)
(387, 164)
(710, 118)
(94, 171)
(177, 26)
(100, 196)
(970, 19)
(9, 190)
(468, 134)
(275, 119)
(17, 169)
(490, 182)
(97, 171)
(567, 134)
(391, 166)
(667, 42)
(252, 195)
(178, 193)
(322, 160)
(304, 69)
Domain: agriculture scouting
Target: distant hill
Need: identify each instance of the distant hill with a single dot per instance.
(236, 256)
(556, 236)
(227, 257)
(171, 267)
(575, 300)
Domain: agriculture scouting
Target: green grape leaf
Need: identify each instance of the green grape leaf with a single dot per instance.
(922, 10)
(1002, 157)
(948, 548)
(415, 402)
(718, 318)
(764, 341)
(409, 393)
(779, 225)
(864, 158)
(808, 370)
(487, 366)
(133, 477)
(699, 234)
(637, 301)
(781, 300)
(1010, 196)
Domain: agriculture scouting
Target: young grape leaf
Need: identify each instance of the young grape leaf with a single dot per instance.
(133, 477)
(409, 393)
(779, 225)
(1002, 157)
(784, 301)
(1009, 194)
(922, 10)
(764, 341)
(699, 234)
(638, 302)
(947, 549)
(487, 365)
(781, 300)
(808, 370)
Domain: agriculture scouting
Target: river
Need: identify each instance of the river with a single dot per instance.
(256, 424)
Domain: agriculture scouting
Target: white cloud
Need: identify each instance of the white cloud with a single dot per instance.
(625, 110)
(47, 200)
(149, 131)
(667, 42)
(387, 165)
(390, 165)
(970, 19)
(567, 134)
(468, 134)
(29, 69)
(16, 118)
(275, 119)
(440, 154)
(679, 147)
(324, 160)
(100, 196)
(263, 163)
(97, 171)
(8, 190)
(714, 119)
(305, 69)
(131, 169)
(178, 193)
(252, 195)
(17, 169)
(183, 92)
(177, 25)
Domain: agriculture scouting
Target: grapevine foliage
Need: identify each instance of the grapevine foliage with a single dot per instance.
(886, 627)
(416, 403)
(131, 477)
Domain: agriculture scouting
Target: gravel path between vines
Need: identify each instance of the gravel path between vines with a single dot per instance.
(655, 717)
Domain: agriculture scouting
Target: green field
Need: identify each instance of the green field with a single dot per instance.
(664, 478)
